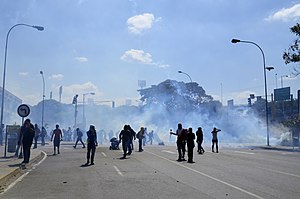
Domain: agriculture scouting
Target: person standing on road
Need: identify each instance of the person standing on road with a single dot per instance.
(181, 137)
(43, 135)
(79, 138)
(141, 135)
(132, 136)
(215, 139)
(91, 145)
(26, 138)
(199, 134)
(190, 137)
(37, 132)
(57, 134)
(124, 137)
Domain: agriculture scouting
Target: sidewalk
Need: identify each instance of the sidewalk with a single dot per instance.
(10, 166)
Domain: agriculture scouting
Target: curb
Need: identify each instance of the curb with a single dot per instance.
(6, 180)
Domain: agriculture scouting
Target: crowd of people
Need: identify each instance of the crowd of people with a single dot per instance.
(30, 133)
(186, 137)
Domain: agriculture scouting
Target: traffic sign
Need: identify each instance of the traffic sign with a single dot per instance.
(281, 94)
(23, 110)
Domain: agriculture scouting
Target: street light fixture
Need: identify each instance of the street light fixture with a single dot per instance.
(40, 28)
(43, 106)
(265, 80)
(83, 102)
(185, 74)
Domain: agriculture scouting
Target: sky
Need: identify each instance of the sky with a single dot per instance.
(107, 46)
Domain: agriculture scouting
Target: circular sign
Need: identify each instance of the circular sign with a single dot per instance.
(23, 110)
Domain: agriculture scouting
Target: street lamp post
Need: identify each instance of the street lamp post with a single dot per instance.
(83, 102)
(43, 103)
(75, 114)
(265, 80)
(40, 28)
(186, 75)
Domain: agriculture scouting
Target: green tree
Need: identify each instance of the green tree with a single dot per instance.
(292, 55)
(178, 96)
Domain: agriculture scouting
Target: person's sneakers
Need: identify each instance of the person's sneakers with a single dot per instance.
(191, 162)
(58, 152)
(183, 159)
(54, 153)
(86, 164)
(83, 147)
(74, 147)
(179, 160)
(122, 158)
(217, 151)
(92, 163)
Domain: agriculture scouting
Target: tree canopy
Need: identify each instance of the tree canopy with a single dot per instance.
(292, 55)
(177, 96)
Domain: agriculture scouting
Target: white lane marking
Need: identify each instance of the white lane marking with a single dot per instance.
(208, 176)
(281, 172)
(243, 152)
(104, 154)
(168, 151)
(118, 171)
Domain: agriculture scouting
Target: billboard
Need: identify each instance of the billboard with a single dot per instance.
(281, 94)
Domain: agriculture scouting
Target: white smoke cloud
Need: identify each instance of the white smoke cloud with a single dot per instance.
(139, 23)
(82, 59)
(57, 77)
(286, 14)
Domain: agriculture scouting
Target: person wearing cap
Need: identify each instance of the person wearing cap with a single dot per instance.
(91, 145)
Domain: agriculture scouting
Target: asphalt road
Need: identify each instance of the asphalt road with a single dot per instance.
(155, 173)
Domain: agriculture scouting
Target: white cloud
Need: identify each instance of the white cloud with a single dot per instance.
(138, 23)
(23, 73)
(286, 14)
(137, 56)
(58, 77)
(140, 56)
(70, 91)
(82, 59)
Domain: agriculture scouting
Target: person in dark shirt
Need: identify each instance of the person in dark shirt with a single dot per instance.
(91, 145)
(125, 137)
(181, 137)
(199, 134)
(37, 132)
(190, 137)
(79, 138)
(215, 139)
(140, 135)
(57, 135)
(26, 138)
